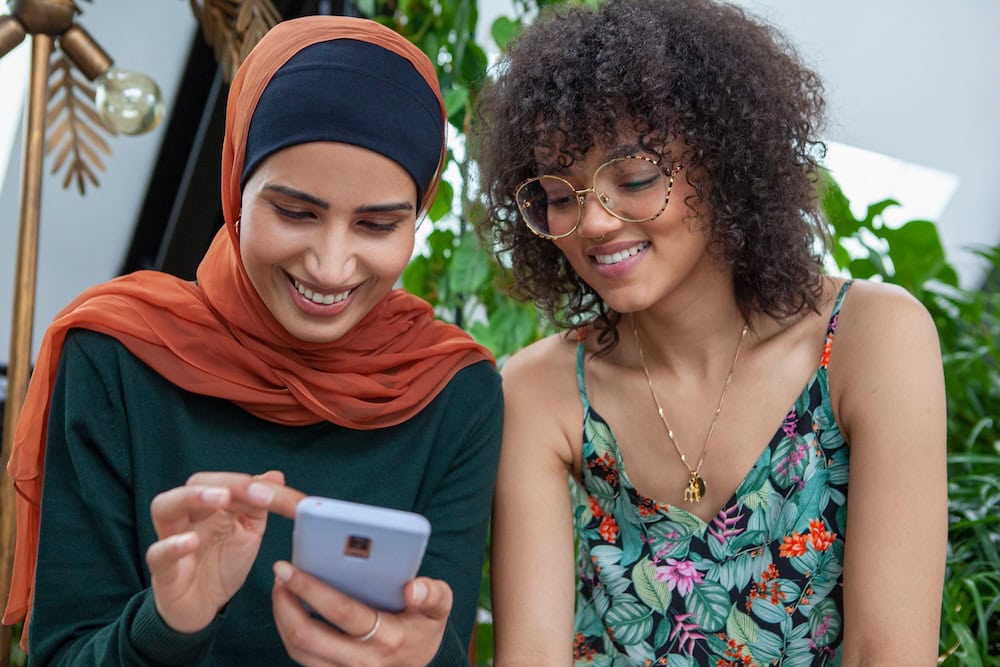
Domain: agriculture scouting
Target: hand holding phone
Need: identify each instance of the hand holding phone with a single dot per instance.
(365, 551)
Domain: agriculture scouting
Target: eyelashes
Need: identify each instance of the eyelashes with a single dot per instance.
(291, 214)
(370, 225)
(379, 227)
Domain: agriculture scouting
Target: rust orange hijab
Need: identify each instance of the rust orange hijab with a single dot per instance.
(217, 338)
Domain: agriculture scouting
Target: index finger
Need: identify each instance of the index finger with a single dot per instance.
(285, 499)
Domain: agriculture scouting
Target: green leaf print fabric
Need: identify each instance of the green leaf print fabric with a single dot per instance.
(761, 584)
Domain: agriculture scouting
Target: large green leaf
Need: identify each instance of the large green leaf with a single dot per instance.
(587, 621)
(440, 242)
(656, 594)
(767, 649)
(824, 622)
(771, 612)
(600, 437)
(630, 621)
(504, 30)
(511, 326)
(837, 208)
(456, 99)
(876, 210)
(474, 63)
(442, 201)
(612, 577)
(709, 602)
(735, 573)
(741, 627)
(605, 555)
(789, 462)
(917, 253)
(415, 277)
(470, 268)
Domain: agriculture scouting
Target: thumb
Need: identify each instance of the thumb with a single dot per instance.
(430, 597)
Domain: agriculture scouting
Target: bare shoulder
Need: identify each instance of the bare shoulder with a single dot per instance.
(542, 366)
(541, 402)
(884, 301)
(880, 319)
(886, 357)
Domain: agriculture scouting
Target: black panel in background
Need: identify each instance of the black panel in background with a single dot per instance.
(183, 144)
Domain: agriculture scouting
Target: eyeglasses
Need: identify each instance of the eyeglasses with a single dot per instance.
(631, 188)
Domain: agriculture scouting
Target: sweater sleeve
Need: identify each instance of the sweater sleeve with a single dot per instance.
(461, 502)
(92, 601)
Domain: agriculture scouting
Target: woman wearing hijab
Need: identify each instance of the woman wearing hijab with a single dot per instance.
(290, 360)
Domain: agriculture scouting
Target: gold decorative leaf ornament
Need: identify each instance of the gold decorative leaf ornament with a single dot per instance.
(74, 126)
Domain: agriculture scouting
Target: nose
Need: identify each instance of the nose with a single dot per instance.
(331, 258)
(595, 221)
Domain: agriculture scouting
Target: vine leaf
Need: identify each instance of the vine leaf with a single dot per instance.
(73, 124)
(233, 28)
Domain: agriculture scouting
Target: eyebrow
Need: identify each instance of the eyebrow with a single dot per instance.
(385, 208)
(322, 203)
(297, 194)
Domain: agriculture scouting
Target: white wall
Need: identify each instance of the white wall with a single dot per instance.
(919, 81)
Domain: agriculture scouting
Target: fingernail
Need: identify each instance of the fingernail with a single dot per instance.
(283, 570)
(262, 493)
(215, 496)
(419, 591)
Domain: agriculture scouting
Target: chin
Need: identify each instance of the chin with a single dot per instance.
(317, 335)
(624, 303)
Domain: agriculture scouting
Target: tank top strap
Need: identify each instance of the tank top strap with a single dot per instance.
(831, 326)
(580, 382)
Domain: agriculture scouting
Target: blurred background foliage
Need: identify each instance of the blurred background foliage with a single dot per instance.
(968, 324)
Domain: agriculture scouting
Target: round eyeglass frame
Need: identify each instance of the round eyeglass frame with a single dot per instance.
(581, 195)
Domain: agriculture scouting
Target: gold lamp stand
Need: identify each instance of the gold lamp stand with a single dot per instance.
(48, 22)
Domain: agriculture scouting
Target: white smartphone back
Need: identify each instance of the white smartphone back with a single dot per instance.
(365, 551)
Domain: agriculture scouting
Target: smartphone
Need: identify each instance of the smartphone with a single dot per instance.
(365, 551)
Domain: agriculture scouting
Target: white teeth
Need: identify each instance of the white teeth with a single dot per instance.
(614, 258)
(317, 297)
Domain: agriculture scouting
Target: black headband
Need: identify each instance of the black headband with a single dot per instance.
(351, 92)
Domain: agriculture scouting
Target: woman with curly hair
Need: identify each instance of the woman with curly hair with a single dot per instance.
(650, 169)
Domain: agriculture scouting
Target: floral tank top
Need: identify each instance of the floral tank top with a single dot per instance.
(761, 584)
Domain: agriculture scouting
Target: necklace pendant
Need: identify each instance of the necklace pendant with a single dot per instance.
(695, 488)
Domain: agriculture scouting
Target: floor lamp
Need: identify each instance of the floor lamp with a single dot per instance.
(126, 102)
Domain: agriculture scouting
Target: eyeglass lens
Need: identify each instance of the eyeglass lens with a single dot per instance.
(632, 189)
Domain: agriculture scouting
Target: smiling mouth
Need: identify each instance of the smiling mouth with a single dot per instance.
(319, 297)
(621, 255)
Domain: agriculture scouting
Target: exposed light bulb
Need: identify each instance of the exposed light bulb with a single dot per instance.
(128, 101)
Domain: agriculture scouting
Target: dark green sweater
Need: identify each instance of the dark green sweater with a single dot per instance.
(119, 434)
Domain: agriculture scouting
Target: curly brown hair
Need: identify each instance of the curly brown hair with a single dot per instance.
(730, 87)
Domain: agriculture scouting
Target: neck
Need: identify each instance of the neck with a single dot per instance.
(698, 337)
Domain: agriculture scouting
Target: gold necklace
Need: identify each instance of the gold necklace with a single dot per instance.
(696, 483)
